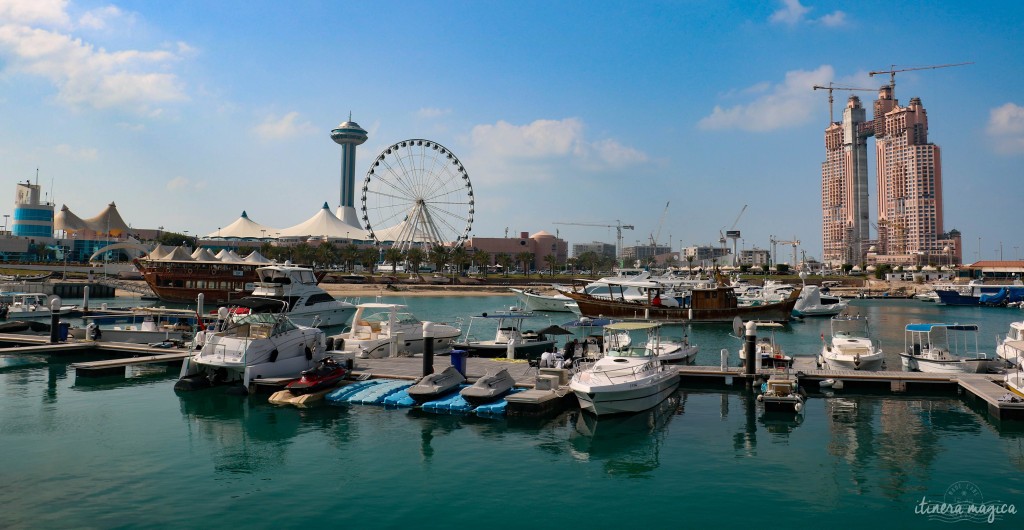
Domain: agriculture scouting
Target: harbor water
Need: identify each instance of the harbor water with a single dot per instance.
(131, 453)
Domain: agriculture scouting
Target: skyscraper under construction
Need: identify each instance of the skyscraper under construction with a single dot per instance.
(909, 187)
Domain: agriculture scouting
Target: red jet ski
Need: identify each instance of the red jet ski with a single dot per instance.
(325, 375)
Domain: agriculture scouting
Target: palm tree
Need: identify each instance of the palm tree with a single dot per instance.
(394, 255)
(689, 262)
(505, 261)
(439, 256)
(349, 255)
(326, 254)
(369, 257)
(415, 257)
(460, 258)
(551, 260)
(526, 259)
(572, 263)
(589, 261)
(481, 259)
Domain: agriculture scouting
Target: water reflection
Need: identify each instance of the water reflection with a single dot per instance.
(626, 445)
(246, 435)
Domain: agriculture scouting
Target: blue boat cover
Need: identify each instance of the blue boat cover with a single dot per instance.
(954, 327)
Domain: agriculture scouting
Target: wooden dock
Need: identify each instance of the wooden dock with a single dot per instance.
(117, 366)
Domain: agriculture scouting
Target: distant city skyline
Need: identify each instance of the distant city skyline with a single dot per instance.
(185, 114)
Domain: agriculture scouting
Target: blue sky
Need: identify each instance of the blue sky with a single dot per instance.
(186, 113)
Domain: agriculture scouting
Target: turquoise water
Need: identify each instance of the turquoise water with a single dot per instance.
(133, 454)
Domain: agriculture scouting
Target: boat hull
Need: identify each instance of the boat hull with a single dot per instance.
(623, 398)
(914, 363)
(866, 363)
(591, 306)
(491, 350)
(537, 302)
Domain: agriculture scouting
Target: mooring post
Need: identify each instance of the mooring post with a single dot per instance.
(428, 348)
(749, 351)
(85, 299)
(54, 318)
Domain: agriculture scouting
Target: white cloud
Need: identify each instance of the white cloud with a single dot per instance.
(81, 153)
(788, 104)
(430, 113)
(1006, 127)
(542, 138)
(100, 18)
(84, 75)
(287, 126)
(51, 12)
(793, 13)
(178, 184)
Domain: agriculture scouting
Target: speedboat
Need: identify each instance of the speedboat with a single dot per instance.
(436, 385)
(384, 330)
(812, 303)
(624, 381)
(927, 296)
(509, 338)
(307, 303)
(535, 301)
(938, 348)
(30, 305)
(262, 343)
(327, 374)
(782, 393)
(490, 387)
(674, 351)
(1011, 348)
(770, 351)
(140, 325)
(850, 348)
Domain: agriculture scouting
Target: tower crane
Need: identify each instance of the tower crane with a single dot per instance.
(618, 226)
(734, 234)
(795, 242)
(830, 88)
(656, 235)
(892, 72)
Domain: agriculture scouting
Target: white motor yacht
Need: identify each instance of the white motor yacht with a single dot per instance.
(30, 305)
(944, 348)
(850, 347)
(1011, 348)
(670, 351)
(812, 303)
(535, 301)
(782, 393)
(510, 340)
(625, 381)
(242, 347)
(389, 330)
(307, 303)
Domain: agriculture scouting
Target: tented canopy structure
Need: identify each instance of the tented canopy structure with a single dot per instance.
(243, 228)
(108, 222)
(325, 224)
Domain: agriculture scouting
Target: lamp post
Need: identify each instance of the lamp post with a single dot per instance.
(6, 215)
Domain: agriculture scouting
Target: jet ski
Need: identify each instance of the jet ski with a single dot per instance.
(433, 386)
(489, 388)
(327, 374)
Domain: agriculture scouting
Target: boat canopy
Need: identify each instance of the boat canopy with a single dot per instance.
(508, 314)
(632, 326)
(954, 327)
(260, 304)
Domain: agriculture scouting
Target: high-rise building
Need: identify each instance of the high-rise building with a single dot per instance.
(909, 187)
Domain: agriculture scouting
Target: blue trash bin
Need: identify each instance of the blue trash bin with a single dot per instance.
(62, 331)
(459, 361)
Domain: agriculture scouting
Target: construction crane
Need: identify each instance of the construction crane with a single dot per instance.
(618, 226)
(892, 72)
(795, 242)
(734, 234)
(830, 88)
(656, 235)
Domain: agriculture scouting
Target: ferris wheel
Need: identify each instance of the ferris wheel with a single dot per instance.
(417, 192)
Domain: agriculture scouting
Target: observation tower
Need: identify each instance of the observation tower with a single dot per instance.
(349, 135)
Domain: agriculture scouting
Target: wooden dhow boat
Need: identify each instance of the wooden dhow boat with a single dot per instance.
(700, 304)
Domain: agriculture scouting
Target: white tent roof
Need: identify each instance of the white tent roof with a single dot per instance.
(178, 254)
(256, 257)
(159, 251)
(68, 221)
(108, 222)
(392, 234)
(243, 228)
(325, 224)
(203, 254)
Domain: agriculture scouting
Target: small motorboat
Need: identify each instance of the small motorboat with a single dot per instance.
(433, 386)
(488, 388)
(326, 374)
(782, 393)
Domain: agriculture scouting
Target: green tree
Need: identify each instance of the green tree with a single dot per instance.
(326, 254)
(782, 268)
(689, 262)
(350, 255)
(589, 261)
(369, 256)
(415, 256)
(394, 256)
(482, 259)
(460, 258)
(439, 256)
(505, 261)
(846, 268)
(572, 263)
(551, 260)
(525, 258)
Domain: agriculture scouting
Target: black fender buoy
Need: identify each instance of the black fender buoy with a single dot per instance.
(273, 355)
(309, 354)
